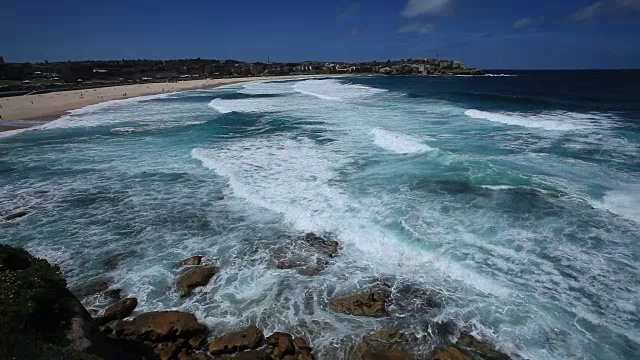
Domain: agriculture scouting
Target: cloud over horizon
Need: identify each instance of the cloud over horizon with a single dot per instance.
(416, 8)
(523, 23)
(416, 27)
(605, 6)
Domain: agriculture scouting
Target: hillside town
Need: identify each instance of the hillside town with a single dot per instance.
(24, 78)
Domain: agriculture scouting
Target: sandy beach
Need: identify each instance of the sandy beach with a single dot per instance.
(18, 112)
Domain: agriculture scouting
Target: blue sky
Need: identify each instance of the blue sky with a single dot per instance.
(492, 34)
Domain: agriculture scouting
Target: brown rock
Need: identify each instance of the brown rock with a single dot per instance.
(168, 351)
(450, 353)
(301, 344)
(191, 261)
(249, 338)
(252, 355)
(281, 345)
(372, 303)
(160, 326)
(483, 349)
(119, 310)
(196, 277)
(386, 354)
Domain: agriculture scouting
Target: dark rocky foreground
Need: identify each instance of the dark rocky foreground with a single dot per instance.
(41, 319)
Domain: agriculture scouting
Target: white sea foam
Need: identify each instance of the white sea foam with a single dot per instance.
(624, 201)
(549, 120)
(398, 143)
(267, 88)
(294, 179)
(336, 90)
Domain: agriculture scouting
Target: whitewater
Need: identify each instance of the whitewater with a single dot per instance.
(519, 214)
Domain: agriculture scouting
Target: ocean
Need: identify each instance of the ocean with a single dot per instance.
(511, 200)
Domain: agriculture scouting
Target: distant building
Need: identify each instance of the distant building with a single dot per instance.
(1, 60)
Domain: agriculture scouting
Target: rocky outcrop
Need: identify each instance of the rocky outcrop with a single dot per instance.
(159, 334)
(450, 353)
(280, 345)
(476, 348)
(371, 303)
(160, 326)
(194, 278)
(39, 316)
(387, 343)
(229, 343)
(191, 261)
(119, 310)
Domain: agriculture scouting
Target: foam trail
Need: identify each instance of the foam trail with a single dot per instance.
(552, 120)
(398, 143)
(335, 90)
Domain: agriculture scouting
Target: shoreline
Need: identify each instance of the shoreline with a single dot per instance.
(19, 113)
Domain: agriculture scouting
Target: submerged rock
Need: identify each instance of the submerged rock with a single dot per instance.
(229, 343)
(327, 246)
(119, 310)
(191, 261)
(194, 278)
(16, 215)
(113, 294)
(91, 288)
(372, 303)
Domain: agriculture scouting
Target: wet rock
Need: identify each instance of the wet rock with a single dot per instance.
(479, 348)
(252, 355)
(387, 343)
(303, 350)
(194, 278)
(119, 310)
(247, 339)
(113, 294)
(289, 264)
(191, 261)
(313, 270)
(280, 345)
(327, 246)
(16, 215)
(410, 299)
(113, 261)
(371, 303)
(159, 326)
(450, 353)
(168, 350)
(91, 288)
(386, 354)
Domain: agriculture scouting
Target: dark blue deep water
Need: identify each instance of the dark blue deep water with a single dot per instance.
(513, 201)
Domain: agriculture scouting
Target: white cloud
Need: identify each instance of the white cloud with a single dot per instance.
(627, 5)
(523, 23)
(416, 27)
(426, 7)
(601, 7)
(588, 12)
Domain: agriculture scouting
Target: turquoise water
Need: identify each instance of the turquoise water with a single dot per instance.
(512, 200)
